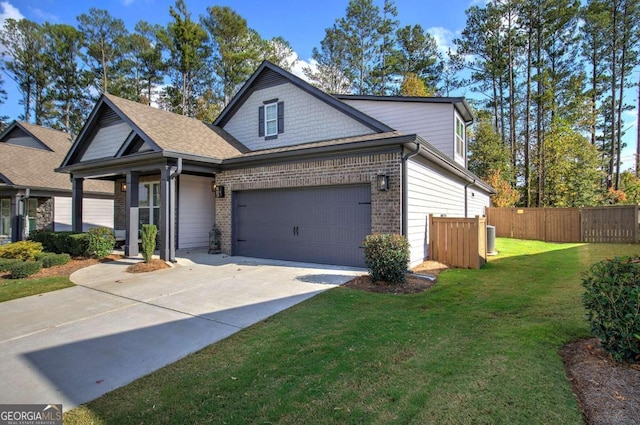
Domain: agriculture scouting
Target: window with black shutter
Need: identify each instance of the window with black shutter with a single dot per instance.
(271, 119)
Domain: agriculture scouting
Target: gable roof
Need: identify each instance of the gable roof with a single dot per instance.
(269, 71)
(162, 130)
(460, 103)
(27, 167)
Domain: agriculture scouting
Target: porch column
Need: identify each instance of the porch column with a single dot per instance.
(16, 218)
(167, 214)
(77, 194)
(131, 215)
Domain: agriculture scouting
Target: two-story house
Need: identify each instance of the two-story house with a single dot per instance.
(285, 172)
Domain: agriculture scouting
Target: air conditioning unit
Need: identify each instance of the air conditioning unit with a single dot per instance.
(491, 240)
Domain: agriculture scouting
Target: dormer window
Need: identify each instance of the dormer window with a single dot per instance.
(271, 119)
(460, 136)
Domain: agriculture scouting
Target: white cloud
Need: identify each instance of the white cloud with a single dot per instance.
(300, 64)
(127, 2)
(444, 39)
(480, 3)
(9, 11)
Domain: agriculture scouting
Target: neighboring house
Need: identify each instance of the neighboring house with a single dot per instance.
(32, 195)
(286, 171)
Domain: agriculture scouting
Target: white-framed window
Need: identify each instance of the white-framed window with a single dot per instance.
(271, 119)
(5, 218)
(460, 137)
(149, 203)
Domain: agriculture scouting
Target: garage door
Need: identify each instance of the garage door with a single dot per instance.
(318, 225)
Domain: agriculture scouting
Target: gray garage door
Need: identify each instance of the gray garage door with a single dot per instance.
(320, 225)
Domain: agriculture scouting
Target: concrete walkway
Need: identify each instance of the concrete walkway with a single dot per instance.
(73, 345)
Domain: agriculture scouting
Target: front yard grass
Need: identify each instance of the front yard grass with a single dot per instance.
(10, 289)
(481, 347)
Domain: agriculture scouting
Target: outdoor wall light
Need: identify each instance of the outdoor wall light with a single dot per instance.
(213, 186)
(383, 182)
(219, 191)
(123, 187)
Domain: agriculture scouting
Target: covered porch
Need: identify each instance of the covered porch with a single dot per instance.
(169, 191)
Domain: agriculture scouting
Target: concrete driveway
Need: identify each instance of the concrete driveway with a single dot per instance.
(73, 345)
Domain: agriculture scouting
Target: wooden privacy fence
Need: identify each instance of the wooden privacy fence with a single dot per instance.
(613, 224)
(458, 242)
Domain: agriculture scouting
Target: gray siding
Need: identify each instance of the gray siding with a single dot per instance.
(306, 119)
(432, 190)
(196, 207)
(433, 121)
(107, 141)
(26, 141)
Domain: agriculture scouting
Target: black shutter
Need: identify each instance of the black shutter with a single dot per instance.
(280, 117)
(261, 121)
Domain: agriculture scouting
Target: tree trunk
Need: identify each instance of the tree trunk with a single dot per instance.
(614, 53)
(527, 119)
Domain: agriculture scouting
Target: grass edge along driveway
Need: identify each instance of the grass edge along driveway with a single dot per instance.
(481, 347)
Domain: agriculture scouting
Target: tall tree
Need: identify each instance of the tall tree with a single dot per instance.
(235, 48)
(69, 90)
(104, 45)
(279, 51)
(147, 46)
(417, 53)
(189, 54)
(329, 66)
(23, 56)
(386, 62)
(360, 31)
(3, 99)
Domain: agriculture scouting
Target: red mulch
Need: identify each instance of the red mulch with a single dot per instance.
(413, 285)
(70, 267)
(143, 267)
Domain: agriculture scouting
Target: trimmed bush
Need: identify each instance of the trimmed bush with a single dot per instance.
(25, 269)
(149, 232)
(612, 301)
(74, 244)
(47, 238)
(50, 259)
(6, 263)
(100, 242)
(387, 257)
(21, 250)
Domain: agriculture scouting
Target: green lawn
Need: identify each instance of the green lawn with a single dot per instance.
(10, 289)
(481, 347)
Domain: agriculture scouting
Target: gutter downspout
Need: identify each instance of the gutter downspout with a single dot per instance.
(405, 188)
(172, 205)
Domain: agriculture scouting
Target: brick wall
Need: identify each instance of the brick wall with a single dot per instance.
(385, 206)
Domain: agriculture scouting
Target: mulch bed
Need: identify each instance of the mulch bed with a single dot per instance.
(413, 284)
(143, 267)
(67, 269)
(608, 392)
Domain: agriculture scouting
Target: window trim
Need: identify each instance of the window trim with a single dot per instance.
(459, 140)
(274, 120)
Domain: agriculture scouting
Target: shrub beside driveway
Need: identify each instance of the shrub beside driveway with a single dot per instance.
(482, 346)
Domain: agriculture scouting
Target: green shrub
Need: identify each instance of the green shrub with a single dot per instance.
(74, 244)
(6, 263)
(149, 232)
(25, 269)
(47, 238)
(50, 259)
(21, 250)
(612, 301)
(387, 257)
(101, 242)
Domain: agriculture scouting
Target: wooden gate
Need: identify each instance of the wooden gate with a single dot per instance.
(458, 242)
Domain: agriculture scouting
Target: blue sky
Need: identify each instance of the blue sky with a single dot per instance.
(301, 22)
